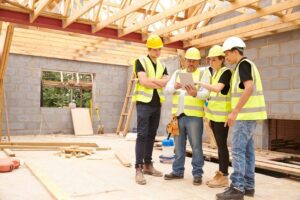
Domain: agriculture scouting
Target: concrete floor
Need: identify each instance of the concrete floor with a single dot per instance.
(105, 178)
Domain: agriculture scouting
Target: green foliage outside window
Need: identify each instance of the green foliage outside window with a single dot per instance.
(61, 97)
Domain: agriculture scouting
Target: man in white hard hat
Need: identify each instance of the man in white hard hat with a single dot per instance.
(247, 106)
(188, 105)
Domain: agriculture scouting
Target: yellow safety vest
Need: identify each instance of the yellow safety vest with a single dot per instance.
(218, 105)
(192, 106)
(255, 107)
(142, 93)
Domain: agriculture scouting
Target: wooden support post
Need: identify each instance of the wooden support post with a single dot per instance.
(6, 114)
(5, 43)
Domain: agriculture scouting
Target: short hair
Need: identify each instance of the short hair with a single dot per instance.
(239, 49)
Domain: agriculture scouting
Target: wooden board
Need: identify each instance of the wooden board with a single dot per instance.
(120, 156)
(81, 121)
(9, 152)
(55, 191)
(49, 144)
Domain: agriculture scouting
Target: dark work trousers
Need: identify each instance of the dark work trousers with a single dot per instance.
(147, 124)
(221, 134)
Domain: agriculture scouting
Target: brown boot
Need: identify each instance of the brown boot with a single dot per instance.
(139, 176)
(150, 170)
(218, 181)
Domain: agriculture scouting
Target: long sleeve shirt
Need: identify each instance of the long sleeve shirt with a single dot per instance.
(202, 93)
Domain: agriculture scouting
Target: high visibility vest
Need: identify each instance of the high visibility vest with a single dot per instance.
(142, 93)
(218, 104)
(255, 107)
(192, 106)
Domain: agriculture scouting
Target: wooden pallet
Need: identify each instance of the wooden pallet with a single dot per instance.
(263, 160)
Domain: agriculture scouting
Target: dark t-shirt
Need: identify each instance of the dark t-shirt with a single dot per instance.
(244, 72)
(155, 101)
(225, 79)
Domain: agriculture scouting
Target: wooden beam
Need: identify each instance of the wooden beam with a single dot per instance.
(78, 13)
(120, 14)
(235, 20)
(13, 3)
(9, 152)
(49, 144)
(120, 156)
(193, 12)
(66, 7)
(55, 191)
(6, 34)
(171, 11)
(122, 21)
(37, 11)
(247, 31)
(206, 15)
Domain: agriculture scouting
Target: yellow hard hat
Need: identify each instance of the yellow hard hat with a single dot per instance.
(192, 54)
(154, 42)
(215, 51)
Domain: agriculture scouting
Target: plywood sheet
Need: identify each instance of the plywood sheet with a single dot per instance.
(81, 121)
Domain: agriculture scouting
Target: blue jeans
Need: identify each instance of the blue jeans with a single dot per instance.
(191, 128)
(243, 155)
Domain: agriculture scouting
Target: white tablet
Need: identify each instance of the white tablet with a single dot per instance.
(186, 79)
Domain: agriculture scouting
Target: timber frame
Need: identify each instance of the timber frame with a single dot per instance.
(114, 31)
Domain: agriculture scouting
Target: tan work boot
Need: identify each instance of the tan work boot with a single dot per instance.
(139, 176)
(218, 181)
(150, 170)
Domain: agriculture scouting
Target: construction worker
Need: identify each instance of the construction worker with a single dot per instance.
(188, 103)
(152, 77)
(247, 106)
(217, 110)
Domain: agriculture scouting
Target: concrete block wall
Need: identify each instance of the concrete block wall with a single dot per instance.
(277, 58)
(23, 89)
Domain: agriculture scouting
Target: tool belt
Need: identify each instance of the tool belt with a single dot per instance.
(172, 127)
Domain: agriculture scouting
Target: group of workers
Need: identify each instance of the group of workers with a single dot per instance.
(233, 98)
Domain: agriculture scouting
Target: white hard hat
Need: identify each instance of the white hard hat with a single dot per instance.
(233, 42)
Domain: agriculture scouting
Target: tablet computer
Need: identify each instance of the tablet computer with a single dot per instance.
(186, 79)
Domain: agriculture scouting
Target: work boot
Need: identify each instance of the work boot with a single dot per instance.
(249, 192)
(150, 170)
(230, 194)
(139, 176)
(172, 176)
(219, 180)
(197, 181)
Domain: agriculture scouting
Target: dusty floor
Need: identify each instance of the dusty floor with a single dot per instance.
(105, 178)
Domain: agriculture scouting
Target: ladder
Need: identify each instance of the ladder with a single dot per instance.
(127, 109)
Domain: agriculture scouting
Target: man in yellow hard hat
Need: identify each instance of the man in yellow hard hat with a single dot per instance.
(247, 106)
(188, 103)
(152, 77)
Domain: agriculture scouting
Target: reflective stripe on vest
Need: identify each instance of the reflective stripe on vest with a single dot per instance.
(255, 108)
(218, 104)
(142, 93)
(192, 106)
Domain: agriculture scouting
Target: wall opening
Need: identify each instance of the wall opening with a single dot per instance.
(60, 88)
(284, 135)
